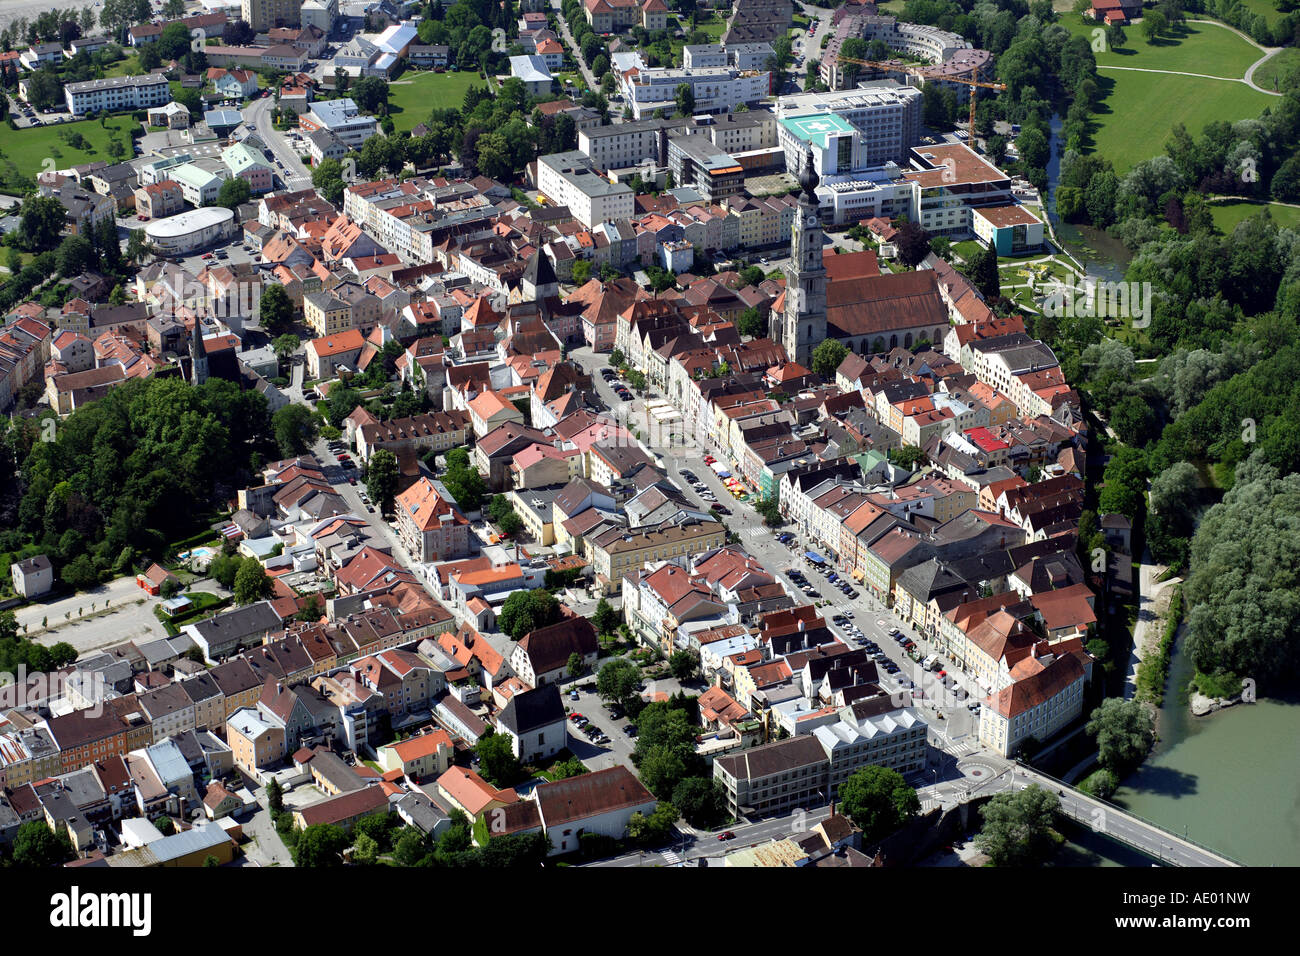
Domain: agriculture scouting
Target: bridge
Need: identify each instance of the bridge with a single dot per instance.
(1166, 846)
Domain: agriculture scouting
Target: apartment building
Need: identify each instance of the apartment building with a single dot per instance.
(570, 179)
(117, 93)
(716, 89)
(431, 528)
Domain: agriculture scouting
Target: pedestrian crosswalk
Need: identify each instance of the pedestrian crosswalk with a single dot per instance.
(755, 532)
(671, 858)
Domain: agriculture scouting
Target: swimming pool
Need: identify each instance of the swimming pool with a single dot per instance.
(204, 552)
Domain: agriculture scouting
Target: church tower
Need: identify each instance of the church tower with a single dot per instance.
(198, 355)
(802, 326)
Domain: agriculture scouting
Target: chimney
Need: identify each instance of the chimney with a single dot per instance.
(279, 688)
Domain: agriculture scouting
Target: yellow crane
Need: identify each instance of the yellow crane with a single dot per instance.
(930, 72)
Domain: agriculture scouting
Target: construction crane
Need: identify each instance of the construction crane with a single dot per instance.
(930, 72)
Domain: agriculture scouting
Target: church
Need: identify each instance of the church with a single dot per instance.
(870, 314)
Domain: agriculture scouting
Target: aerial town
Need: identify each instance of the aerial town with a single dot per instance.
(645, 433)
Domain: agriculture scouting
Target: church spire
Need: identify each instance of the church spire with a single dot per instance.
(198, 355)
(803, 322)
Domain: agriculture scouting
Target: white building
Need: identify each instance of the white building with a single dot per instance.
(343, 119)
(320, 14)
(199, 186)
(716, 89)
(850, 130)
(117, 93)
(534, 73)
(178, 235)
(1047, 695)
(742, 56)
(569, 179)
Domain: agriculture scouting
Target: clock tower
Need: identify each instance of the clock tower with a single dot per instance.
(802, 326)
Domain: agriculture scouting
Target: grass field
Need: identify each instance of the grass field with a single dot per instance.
(1138, 111)
(28, 148)
(1264, 8)
(411, 98)
(1194, 48)
(1228, 214)
(1277, 66)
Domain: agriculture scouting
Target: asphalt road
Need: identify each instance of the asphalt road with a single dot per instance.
(291, 174)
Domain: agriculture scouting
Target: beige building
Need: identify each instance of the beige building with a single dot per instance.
(262, 15)
(620, 550)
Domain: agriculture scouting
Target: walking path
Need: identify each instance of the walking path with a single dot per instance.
(1148, 614)
(1203, 76)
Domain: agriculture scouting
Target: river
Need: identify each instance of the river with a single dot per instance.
(1230, 780)
(1102, 256)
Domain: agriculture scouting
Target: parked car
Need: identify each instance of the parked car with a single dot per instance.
(726, 835)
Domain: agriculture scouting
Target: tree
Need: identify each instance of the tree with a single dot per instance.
(75, 256)
(251, 583)
(576, 665)
(274, 796)
(982, 270)
(604, 618)
(41, 222)
(516, 851)
(275, 311)
(1153, 25)
(327, 178)
(36, 846)
(285, 346)
(365, 850)
(80, 574)
(617, 359)
(909, 457)
(370, 93)
(581, 272)
(237, 33)
(294, 429)
(652, 830)
(1019, 828)
(498, 764)
(683, 664)
(685, 98)
(224, 568)
(526, 611)
(234, 193)
(826, 358)
(321, 844)
(879, 801)
(913, 243)
(381, 479)
(1134, 420)
(619, 681)
(166, 825)
(1125, 731)
(702, 802)
(751, 324)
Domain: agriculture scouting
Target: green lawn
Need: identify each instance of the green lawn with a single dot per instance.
(1193, 48)
(130, 66)
(1228, 214)
(411, 98)
(29, 148)
(1139, 110)
(1277, 66)
(1264, 8)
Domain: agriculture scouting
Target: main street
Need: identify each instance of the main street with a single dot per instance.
(292, 172)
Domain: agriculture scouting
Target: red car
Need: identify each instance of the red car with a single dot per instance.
(352, 481)
(728, 835)
(709, 459)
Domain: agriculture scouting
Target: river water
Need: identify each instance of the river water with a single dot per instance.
(1232, 779)
(1103, 256)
